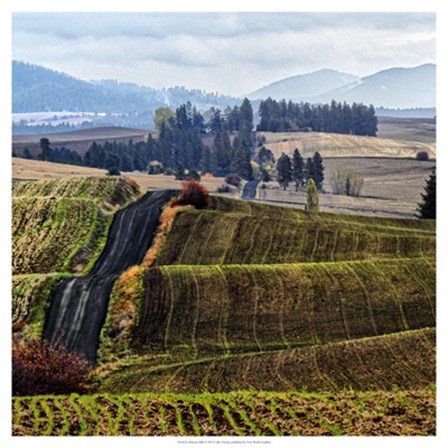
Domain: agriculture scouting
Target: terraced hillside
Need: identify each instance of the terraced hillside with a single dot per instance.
(262, 317)
(339, 145)
(59, 228)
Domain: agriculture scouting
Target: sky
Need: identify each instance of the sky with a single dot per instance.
(229, 53)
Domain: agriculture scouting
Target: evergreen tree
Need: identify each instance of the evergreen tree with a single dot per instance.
(45, 149)
(297, 169)
(312, 196)
(241, 161)
(318, 170)
(246, 120)
(309, 169)
(427, 209)
(27, 154)
(284, 171)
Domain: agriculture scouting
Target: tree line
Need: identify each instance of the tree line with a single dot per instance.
(337, 117)
(179, 146)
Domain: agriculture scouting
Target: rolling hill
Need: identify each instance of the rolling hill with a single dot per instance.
(304, 86)
(245, 309)
(340, 145)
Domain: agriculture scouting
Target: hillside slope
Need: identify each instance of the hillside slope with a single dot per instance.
(59, 227)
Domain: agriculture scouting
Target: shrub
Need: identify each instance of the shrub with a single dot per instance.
(223, 189)
(195, 194)
(194, 175)
(312, 196)
(233, 179)
(422, 155)
(39, 367)
(346, 181)
(114, 171)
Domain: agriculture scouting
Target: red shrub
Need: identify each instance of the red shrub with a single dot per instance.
(41, 368)
(195, 194)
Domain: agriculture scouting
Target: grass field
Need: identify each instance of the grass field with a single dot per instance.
(340, 145)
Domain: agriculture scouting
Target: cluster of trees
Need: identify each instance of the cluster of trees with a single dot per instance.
(179, 148)
(299, 171)
(282, 116)
(180, 140)
(346, 181)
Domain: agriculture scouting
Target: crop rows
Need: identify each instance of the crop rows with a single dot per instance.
(378, 363)
(40, 242)
(231, 238)
(226, 205)
(233, 308)
(236, 414)
(87, 187)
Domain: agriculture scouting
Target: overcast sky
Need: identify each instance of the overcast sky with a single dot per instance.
(232, 53)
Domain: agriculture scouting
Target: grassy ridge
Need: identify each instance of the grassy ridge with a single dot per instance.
(235, 308)
(204, 237)
(409, 413)
(405, 358)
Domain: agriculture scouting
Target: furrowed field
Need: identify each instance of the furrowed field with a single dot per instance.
(250, 319)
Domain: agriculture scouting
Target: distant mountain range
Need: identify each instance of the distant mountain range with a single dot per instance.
(37, 89)
(392, 88)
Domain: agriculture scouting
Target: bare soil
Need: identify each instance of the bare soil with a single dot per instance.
(392, 187)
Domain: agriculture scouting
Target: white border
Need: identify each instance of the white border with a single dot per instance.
(8, 6)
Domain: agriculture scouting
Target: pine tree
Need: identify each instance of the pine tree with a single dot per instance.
(45, 149)
(427, 209)
(284, 171)
(318, 170)
(312, 196)
(297, 169)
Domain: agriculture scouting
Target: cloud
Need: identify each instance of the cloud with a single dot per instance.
(229, 53)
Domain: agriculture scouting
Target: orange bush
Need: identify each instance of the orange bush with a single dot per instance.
(194, 193)
(39, 367)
